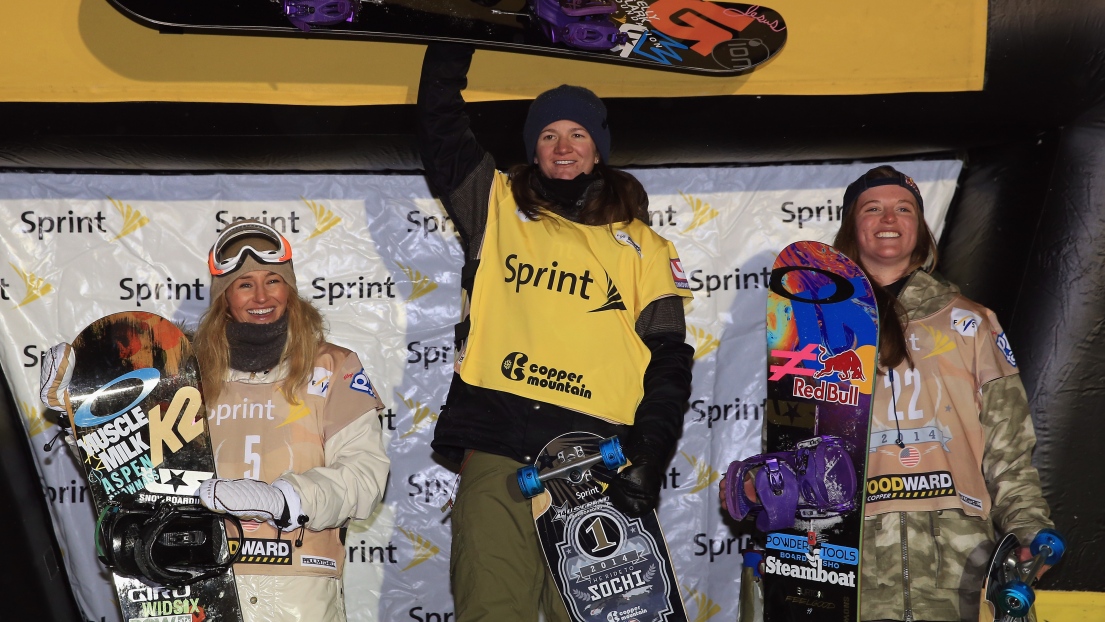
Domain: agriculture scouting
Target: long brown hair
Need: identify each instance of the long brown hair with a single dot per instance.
(892, 348)
(621, 199)
(306, 334)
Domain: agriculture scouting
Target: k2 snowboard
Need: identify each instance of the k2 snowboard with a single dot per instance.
(141, 437)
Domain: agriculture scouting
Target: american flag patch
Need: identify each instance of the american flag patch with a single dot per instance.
(909, 457)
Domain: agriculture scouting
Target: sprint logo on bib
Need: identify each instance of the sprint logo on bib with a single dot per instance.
(964, 322)
(361, 383)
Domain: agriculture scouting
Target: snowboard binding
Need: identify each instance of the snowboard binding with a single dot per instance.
(814, 480)
(171, 545)
(582, 24)
(303, 14)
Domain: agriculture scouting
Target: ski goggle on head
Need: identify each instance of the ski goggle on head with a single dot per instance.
(247, 238)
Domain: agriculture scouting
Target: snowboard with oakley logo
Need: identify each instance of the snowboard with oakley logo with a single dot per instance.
(822, 338)
(606, 565)
(141, 439)
(689, 36)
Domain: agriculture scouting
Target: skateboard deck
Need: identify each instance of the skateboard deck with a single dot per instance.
(822, 337)
(691, 36)
(606, 565)
(142, 442)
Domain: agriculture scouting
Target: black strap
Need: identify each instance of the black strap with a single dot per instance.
(467, 282)
(468, 274)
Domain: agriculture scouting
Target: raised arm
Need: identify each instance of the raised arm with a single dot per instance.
(458, 169)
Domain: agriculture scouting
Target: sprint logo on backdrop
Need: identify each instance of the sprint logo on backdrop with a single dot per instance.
(325, 219)
(705, 607)
(420, 283)
(704, 342)
(360, 288)
(133, 219)
(704, 474)
(702, 211)
(422, 416)
(423, 549)
(36, 422)
(289, 223)
(34, 287)
(83, 222)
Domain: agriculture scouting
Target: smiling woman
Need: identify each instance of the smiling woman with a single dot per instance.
(292, 415)
(562, 268)
(948, 404)
(257, 297)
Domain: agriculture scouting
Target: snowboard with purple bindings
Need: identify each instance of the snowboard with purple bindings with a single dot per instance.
(690, 36)
(822, 340)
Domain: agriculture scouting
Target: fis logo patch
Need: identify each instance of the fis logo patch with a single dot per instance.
(964, 322)
(678, 275)
(320, 382)
(624, 238)
(1003, 345)
(361, 383)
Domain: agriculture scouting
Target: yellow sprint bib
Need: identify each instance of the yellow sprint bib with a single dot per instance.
(554, 306)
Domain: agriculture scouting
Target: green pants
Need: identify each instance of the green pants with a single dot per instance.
(496, 567)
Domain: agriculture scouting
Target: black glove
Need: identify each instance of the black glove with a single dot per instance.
(659, 418)
(636, 490)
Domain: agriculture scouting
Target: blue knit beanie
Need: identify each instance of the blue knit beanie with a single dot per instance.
(572, 103)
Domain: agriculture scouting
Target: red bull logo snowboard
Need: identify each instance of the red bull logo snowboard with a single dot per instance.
(822, 336)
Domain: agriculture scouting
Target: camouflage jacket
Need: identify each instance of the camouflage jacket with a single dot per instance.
(931, 565)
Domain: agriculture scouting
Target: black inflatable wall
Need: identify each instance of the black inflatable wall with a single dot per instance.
(1026, 235)
(1059, 321)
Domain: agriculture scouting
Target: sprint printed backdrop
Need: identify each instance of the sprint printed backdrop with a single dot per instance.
(376, 254)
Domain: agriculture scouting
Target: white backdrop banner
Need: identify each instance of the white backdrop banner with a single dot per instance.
(378, 256)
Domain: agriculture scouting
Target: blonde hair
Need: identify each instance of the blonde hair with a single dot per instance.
(306, 333)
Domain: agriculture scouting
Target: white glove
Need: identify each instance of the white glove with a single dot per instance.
(54, 376)
(251, 499)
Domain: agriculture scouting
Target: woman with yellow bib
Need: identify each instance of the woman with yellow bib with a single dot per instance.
(572, 320)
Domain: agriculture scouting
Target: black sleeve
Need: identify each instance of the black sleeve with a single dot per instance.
(458, 170)
(667, 382)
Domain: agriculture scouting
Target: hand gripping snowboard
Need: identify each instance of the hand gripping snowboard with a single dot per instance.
(141, 439)
(690, 36)
(606, 565)
(822, 336)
